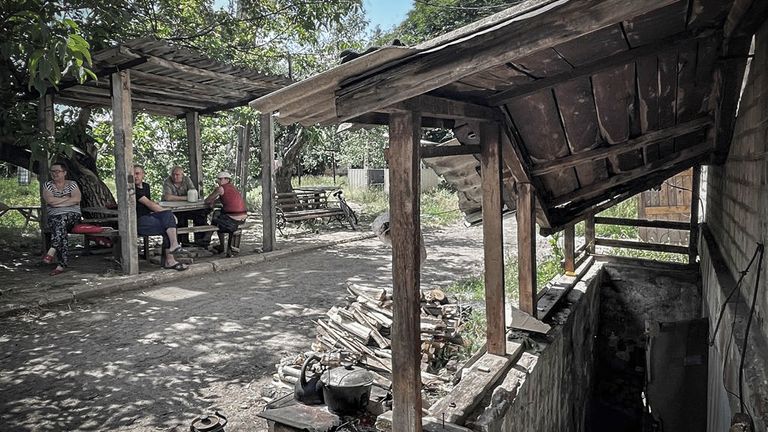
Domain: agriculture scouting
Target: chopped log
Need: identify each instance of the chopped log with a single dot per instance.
(362, 317)
(435, 295)
(374, 294)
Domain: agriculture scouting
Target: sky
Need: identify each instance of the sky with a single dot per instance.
(386, 13)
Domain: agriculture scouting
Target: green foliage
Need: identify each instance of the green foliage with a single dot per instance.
(436, 17)
(625, 209)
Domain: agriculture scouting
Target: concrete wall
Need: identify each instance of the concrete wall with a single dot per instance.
(737, 217)
(548, 390)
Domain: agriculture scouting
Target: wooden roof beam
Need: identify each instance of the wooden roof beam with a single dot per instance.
(640, 142)
(96, 100)
(442, 108)
(451, 150)
(562, 22)
(382, 119)
(164, 100)
(564, 217)
(693, 153)
(201, 88)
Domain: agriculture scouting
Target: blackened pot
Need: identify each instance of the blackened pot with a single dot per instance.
(346, 389)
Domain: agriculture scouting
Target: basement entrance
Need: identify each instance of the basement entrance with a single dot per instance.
(651, 356)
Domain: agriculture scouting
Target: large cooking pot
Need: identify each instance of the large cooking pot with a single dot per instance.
(346, 389)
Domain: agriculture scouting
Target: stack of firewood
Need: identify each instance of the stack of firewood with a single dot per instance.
(360, 332)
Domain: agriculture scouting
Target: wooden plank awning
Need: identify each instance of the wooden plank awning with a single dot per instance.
(169, 80)
(600, 99)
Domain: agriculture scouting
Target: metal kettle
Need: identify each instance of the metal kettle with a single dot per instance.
(309, 391)
(209, 423)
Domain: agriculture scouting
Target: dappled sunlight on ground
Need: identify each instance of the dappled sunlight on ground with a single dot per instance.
(155, 359)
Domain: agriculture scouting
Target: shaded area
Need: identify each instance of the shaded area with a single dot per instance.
(156, 359)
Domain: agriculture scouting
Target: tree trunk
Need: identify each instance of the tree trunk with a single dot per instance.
(296, 141)
(81, 166)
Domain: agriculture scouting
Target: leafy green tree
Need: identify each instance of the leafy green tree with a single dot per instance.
(43, 42)
(432, 18)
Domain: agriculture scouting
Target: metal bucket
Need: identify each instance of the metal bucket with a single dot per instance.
(208, 423)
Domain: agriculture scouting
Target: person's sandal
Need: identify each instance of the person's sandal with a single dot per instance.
(178, 267)
(179, 249)
(57, 271)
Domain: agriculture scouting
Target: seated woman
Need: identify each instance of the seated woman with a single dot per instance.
(153, 219)
(62, 202)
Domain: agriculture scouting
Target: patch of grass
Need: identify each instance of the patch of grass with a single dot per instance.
(472, 290)
(13, 194)
(649, 255)
(439, 207)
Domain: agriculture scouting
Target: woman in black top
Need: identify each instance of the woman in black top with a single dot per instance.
(153, 219)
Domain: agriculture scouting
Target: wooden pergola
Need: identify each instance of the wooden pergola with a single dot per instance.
(578, 105)
(156, 77)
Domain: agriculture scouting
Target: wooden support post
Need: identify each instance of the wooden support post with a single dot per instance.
(569, 244)
(267, 137)
(693, 237)
(589, 233)
(243, 157)
(526, 247)
(405, 187)
(122, 121)
(46, 125)
(195, 151)
(493, 240)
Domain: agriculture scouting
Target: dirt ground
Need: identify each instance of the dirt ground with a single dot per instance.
(155, 359)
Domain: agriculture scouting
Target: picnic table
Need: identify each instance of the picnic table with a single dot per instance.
(29, 213)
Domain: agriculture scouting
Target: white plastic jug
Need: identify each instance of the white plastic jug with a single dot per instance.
(192, 195)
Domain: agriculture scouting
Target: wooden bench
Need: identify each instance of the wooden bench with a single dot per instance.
(182, 230)
(301, 206)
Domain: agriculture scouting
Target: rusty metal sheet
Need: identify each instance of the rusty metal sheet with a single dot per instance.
(657, 24)
(303, 417)
(593, 46)
(577, 111)
(543, 64)
(615, 101)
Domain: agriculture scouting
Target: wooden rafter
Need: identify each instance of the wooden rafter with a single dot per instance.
(442, 108)
(192, 70)
(452, 150)
(501, 45)
(382, 119)
(617, 149)
(610, 197)
(600, 65)
(625, 177)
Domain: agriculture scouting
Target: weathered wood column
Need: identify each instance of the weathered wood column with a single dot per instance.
(404, 205)
(493, 237)
(569, 252)
(122, 121)
(693, 236)
(243, 157)
(267, 137)
(195, 151)
(46, 124)
(526, 247)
